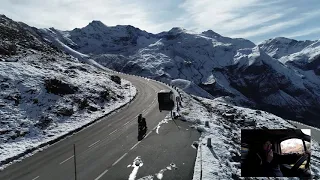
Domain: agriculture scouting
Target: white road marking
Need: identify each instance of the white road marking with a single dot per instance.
(119, 159)
(94, 143)
(136, 116)
(147, 111)
(104, 172)
(36, 178)
(144, 110)
(135, 145)
(126, 123)
(113, 132)
(148, 134)
(66, 160)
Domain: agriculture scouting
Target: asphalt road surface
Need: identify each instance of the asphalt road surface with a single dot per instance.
(105, 149)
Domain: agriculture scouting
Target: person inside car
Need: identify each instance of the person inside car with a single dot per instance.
(270, 161)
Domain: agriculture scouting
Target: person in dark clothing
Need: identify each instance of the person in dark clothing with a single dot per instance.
(142, 127)
(139, 119)
(261, 161)
(144, 123)
(270, 161)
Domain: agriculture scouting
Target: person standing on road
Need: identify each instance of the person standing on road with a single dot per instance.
(142, 127)
(178, 100)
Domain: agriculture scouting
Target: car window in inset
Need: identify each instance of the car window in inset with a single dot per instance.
(291, 146)
(294, 145)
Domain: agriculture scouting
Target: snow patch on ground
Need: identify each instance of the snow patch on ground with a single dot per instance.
(159, 175)
(31, 116)
(225, 124)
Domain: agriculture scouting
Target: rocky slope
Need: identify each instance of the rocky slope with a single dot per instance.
(273, 86)
(281, 46)
(300, 55)
(45, 93)
(234, 69)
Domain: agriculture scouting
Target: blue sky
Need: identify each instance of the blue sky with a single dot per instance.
(256, 20)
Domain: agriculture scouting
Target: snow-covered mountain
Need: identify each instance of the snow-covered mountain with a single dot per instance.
(300, 55)
(97, 38)
(234, 69)
(19, 38)
(281, 46)
(308, 59)
(273, 86)
(45, 93)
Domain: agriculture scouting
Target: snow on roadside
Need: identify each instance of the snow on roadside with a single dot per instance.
(31, 116)
(226, 121)
(164, 121)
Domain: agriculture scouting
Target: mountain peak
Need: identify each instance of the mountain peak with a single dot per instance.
(176, 30)
(281, 46)
(96, 23)
(210, 33)
(281, 40)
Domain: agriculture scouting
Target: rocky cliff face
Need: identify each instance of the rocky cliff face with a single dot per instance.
(273, 86)
(17, 38)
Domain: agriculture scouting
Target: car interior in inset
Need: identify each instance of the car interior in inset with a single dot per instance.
(289, 157)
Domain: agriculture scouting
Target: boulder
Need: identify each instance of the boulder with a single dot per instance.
(58, 87)
(116, 79)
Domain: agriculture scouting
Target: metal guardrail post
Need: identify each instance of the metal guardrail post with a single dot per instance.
(207, 123)
(209, 143)
(200, 161)
(75, 161)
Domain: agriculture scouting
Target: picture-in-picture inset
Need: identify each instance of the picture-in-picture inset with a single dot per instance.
(275, 153)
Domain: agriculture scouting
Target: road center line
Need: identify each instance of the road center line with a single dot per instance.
(94, 143)
(104, 172)
(148, 134)
(135, 145)
(143, 111)
(119, 159)
(36, 178)
(66, 160)
(126, 123)
(153, 100)
(113, 132)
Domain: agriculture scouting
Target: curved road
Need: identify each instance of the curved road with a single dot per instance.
(105, 149)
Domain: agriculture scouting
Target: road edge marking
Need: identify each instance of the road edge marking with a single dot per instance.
(103, 173)
(119, 159)
(66, 160)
